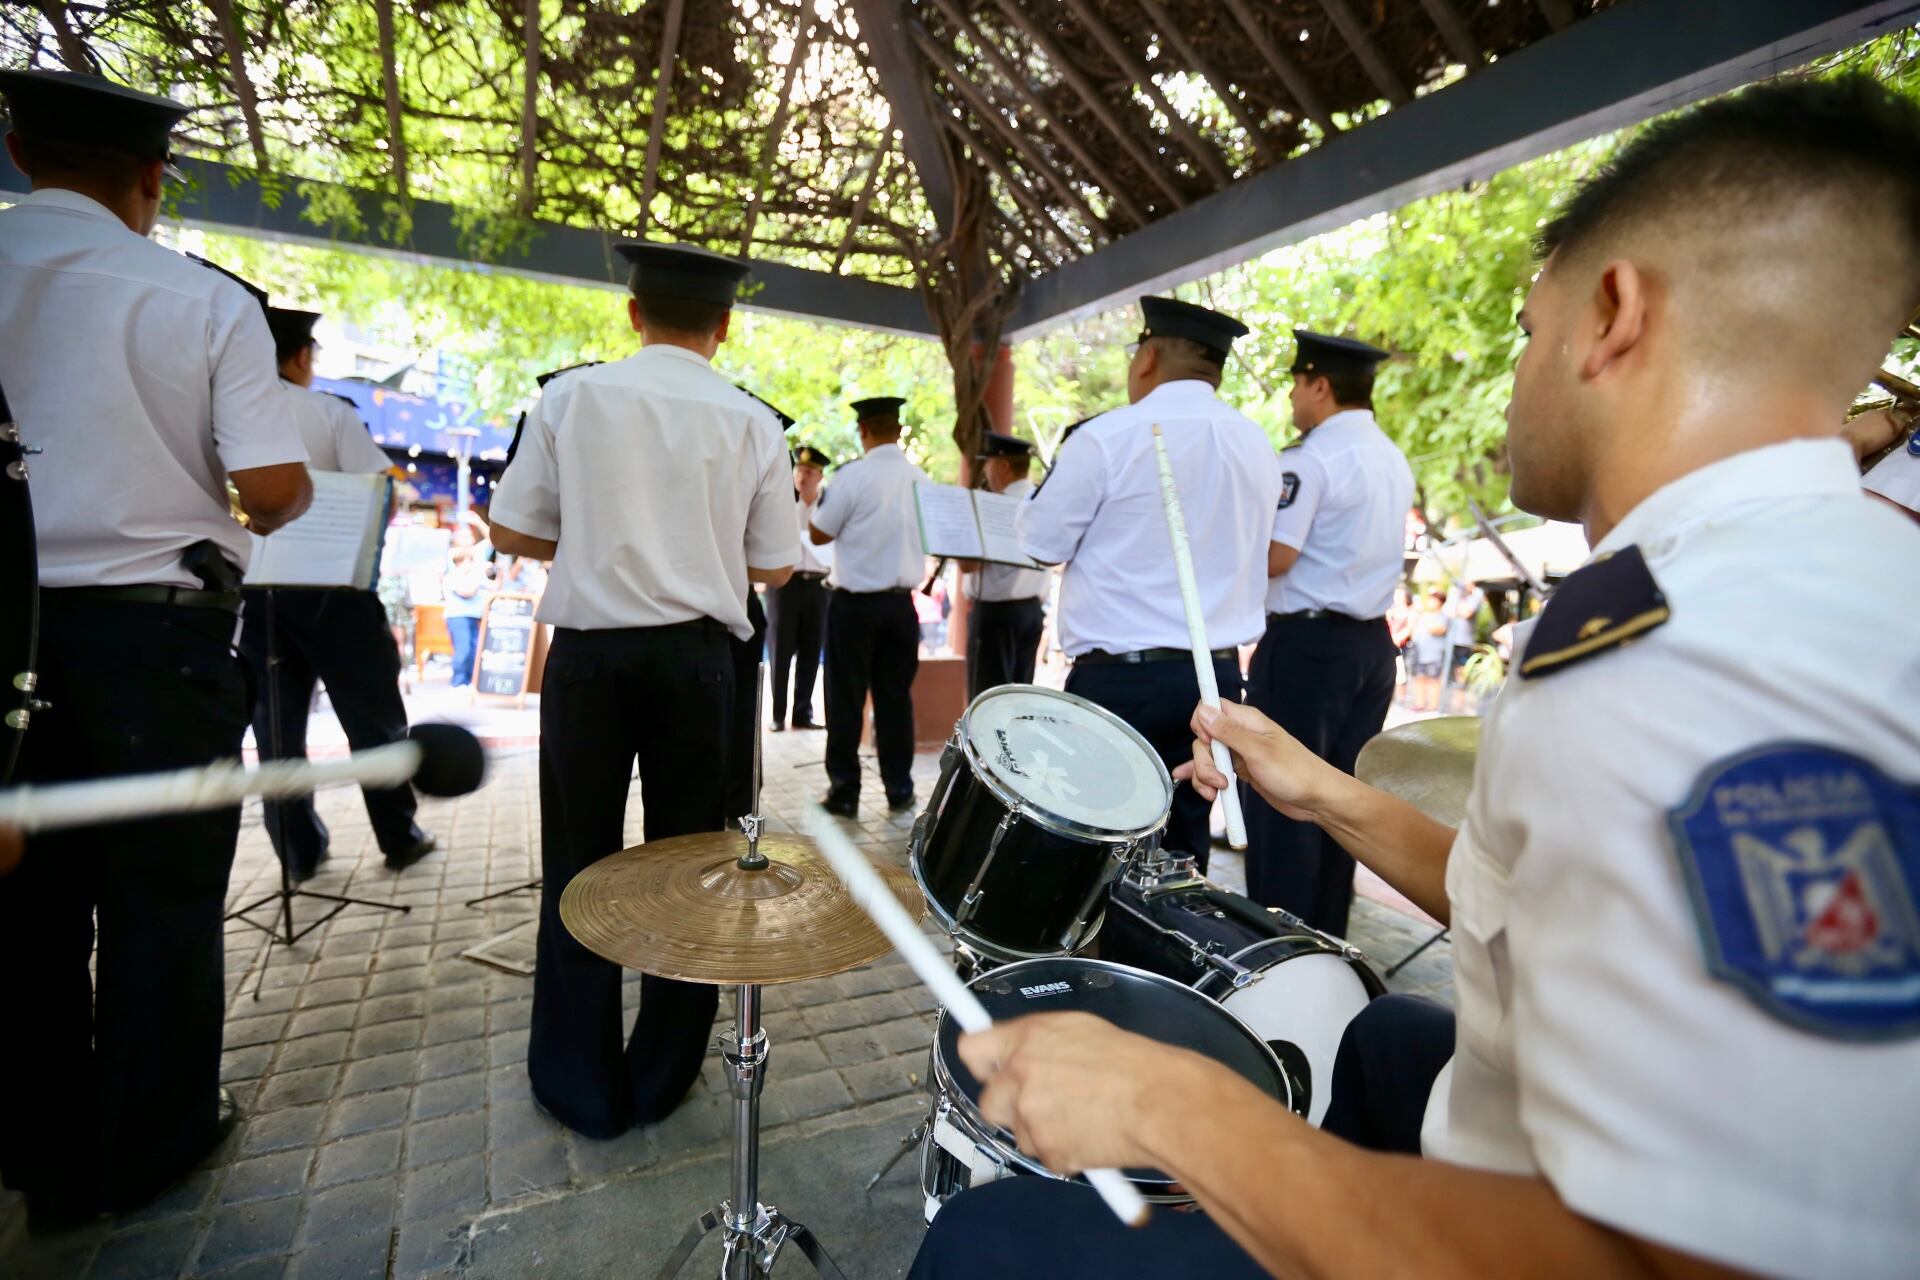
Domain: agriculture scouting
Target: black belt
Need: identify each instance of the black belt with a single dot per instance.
(884, 591)
(807, 577)
(1330, 614)
(1100, 657)
(186, 597)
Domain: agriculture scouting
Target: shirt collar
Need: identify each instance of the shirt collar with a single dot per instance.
(73, 202)
(671, 352)
(1179, 387)
(1793, 469)
(1336, 423)
(879, 450)
(1019, 488)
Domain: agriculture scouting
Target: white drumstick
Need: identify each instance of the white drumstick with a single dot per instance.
(448, 760)
(1197, 636)
(866, 888)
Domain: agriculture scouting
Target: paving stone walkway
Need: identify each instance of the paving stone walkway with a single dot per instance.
(389, 1129)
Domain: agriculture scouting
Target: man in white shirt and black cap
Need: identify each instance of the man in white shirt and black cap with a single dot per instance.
(144, 383)
(1009, 611)
(1324, 669)
(1101, 516)
(873, 638)
(659, 491)
(336, 637)
(797, 612)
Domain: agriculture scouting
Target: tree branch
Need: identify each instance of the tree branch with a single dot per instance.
(530, 111)
(390, 79)
(234, 42)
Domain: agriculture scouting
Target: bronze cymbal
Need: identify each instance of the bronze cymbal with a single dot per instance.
(684, 908)
(1427, 763)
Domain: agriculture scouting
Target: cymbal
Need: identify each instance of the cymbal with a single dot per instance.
(684, 908)
(1427, 763)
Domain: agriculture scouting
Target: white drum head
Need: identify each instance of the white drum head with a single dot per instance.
(1308, 1000)
(1066, 758)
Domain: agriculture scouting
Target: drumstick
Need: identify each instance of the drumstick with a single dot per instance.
(1197, 635)
(866, 888)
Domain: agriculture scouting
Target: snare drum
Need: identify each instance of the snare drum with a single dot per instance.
(962, 1149)
(1042, 799)
(1296, 987)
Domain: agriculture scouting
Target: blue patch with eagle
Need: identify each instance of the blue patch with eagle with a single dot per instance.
(1802, 862)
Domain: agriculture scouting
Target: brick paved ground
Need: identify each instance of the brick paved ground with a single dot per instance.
(389, 1130)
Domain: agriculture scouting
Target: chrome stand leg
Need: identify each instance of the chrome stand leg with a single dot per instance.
(907, 1144)
(753, 1234)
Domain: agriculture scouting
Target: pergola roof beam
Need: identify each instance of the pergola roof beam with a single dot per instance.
(776, 128)
(1169, 30)
(876, 163)
(997, 165)
(662, 93)
(1304, 94)
(1022, 88)
(1096, 102)
(1372, 61)
(881, 29)
(987, 113)
(1203, 151)
(1453, 29)
(1559, 13)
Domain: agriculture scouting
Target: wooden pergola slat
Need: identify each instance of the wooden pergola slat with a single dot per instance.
(1169, 30)
(1453, 29)
(776, 128)
(1296, 82)
(1203, 151)
(1372, 61)
(877, 163)
(530, 110)
(662, 92)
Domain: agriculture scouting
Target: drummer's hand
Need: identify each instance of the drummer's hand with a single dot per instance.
(1072, 1087)
(1871, 432)
(1287, 775)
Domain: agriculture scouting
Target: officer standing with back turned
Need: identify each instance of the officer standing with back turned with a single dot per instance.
(873, 638)
(146, 383)
(659, 491)
(1324, 668)
(1003, 630)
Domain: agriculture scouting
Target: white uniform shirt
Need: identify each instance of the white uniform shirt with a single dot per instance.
(1594, 1046)
(1896, 477)
(1100, 514)
(1006, 581)
(812, 559)
(335, 438)
(869, 513)
(1345, 492)
(145, 377)
(663, 484)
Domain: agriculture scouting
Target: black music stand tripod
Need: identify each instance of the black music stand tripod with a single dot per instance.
(281, 930)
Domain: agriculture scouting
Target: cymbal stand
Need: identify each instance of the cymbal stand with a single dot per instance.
(753, 1233)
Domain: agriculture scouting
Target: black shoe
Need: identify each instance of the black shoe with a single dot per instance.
(777, 727)
(900, 804)
(228, 1118)
(798, 723)
(300, 873)
(419, 849)
(49, 1219)
(54, 1216)
(841, 806)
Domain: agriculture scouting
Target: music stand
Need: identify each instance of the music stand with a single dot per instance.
(286, 893)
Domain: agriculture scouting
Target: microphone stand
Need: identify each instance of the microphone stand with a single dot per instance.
(282, 930)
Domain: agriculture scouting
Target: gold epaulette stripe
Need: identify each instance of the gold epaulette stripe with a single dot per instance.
(1631, 627)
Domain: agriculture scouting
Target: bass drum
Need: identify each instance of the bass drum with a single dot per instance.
(1296, 987)
(19, 594)
(1043, 799)
(962, 1149)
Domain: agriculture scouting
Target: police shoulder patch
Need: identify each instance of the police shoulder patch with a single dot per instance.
(1802, 863)
(1289, 488)
(1595, 608)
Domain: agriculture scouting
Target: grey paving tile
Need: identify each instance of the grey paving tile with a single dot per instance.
(147, 1253)
(386, 1037)
(506, 1048)
(281, 1130)
(312, 1051)
(526, 1167)
(596, 1158)
(396, 982)
(458, 1058)
(331, 991)
(803, 1096)
(354, 1257)
(264, 1029)
(432, 1141)
(355, 1208)
(456, 1186)
(387, 1008)
(292, 1088)
(383, 1072)
(369, 1111)
(430, 1245)
(445, 1097)
(886, 1078)
(365, 1155)
(266, 1177)
(510, 1015)
(466, 1023)
(318, 1021)
(505, 1084)
(245, 1064)
(242, 1232)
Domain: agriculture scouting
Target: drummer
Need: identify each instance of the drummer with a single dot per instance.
(1101, 515)
(1687, 944)
(658, 465)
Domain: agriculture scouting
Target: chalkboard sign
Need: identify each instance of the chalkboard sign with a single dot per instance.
(506, 646)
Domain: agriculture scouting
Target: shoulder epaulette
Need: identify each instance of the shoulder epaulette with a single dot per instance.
(1598, 607)
(514, 447)
(786, 420)
(542, 379)
(345, 400)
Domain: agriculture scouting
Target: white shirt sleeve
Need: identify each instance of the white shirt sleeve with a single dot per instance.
(253, 423)
(1303, 484)
(1658, 1099)
(357, 451)
(1896, 478)
(1052, 524)
(526, 498)
(834, 505)
(773, 542)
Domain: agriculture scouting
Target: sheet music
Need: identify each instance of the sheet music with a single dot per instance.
(948, 526)
(1000, 529)
(333, 544)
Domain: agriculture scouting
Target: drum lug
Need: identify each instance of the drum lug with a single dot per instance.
(971, 899)
(26, 681)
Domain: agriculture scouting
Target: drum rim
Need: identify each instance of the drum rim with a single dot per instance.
(940, 1076)
(1207, 984)
(1042, 818)
(994, 950)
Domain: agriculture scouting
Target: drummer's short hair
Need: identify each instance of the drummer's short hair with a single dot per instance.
(59, 160)
(1183, 357)
(1846, 135)
(680, 315)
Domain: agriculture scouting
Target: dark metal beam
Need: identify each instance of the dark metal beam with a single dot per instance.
(1453, 29)
(1068, 137)
(891, 53)
(1632, 60)
(1305, 96)
(226, 199)
(1372, 61)
(1167, 29)
(1141, 76)
(1096, 102)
